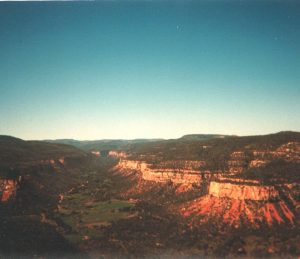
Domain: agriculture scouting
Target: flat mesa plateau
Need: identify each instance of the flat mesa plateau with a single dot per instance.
(199, 195)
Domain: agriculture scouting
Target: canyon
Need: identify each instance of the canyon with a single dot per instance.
(234, 201)
(173, 193)
(230, 194)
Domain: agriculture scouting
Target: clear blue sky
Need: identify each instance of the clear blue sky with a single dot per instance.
(93, 70)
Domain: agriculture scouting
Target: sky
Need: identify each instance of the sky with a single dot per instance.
(148, 69)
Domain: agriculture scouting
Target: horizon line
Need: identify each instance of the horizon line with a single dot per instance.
(150, 138)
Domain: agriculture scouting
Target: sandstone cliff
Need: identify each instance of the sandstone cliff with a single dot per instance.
(132, 165)
(233, 196)
(237, 212)
(181, 175)
(191, 170)
(231, 200)
(117, 153)
(169, 175)
(243, 192)
(245, 202)
(8, 189)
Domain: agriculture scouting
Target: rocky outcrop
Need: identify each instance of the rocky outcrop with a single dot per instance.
(237, 212)
(244, 202)
(229, 196)
(96, 153)
(179, 170)
(258, 163)
(61, 161)
(243, 192)
(179, 175)
(238, 180)
(238, 155)
(8, 189)
(239, 161)
(117, 153)
(132, 165)
(168, 175)
(180, 165)
(53, 162)
(236, 163)
(56, 164)
(289, 152)
(9, 186)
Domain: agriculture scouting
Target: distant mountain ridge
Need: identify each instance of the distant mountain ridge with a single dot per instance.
(120, 144)
(203, 136)
(103, 144)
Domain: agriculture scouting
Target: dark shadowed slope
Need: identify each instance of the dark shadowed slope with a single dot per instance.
(16, 152)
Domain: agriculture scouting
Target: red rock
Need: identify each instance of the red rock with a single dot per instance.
(62, 161)
(117, 153)
(242, 192)
(9, 189)
(96, 153)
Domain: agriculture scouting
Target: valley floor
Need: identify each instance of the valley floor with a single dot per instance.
(108, 213)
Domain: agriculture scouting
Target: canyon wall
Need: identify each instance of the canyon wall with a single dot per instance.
(9, 186)
(132, 165)
(176, 175)
(237, 212)
(192, 171)
(180, 165)
(239, 161)
(229, 197)
(243, 192)
(168, 175)
(8, 189)
(117, 153)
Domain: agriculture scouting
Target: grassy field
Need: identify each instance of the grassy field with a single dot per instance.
(86, 216)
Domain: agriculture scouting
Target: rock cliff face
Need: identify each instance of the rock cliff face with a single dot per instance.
(243, 192)
(231, 200)
(180, 165)
(9, 186)
(132, 165)
(117, 153)
(56, 164)
(237, 212)
(257, 163)
(231, 197)
(176, 175)
(245, 202)
(168, 175)
(236, 163)
(96, 153)
(185, 171)
(239, 161)
(8, 189)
